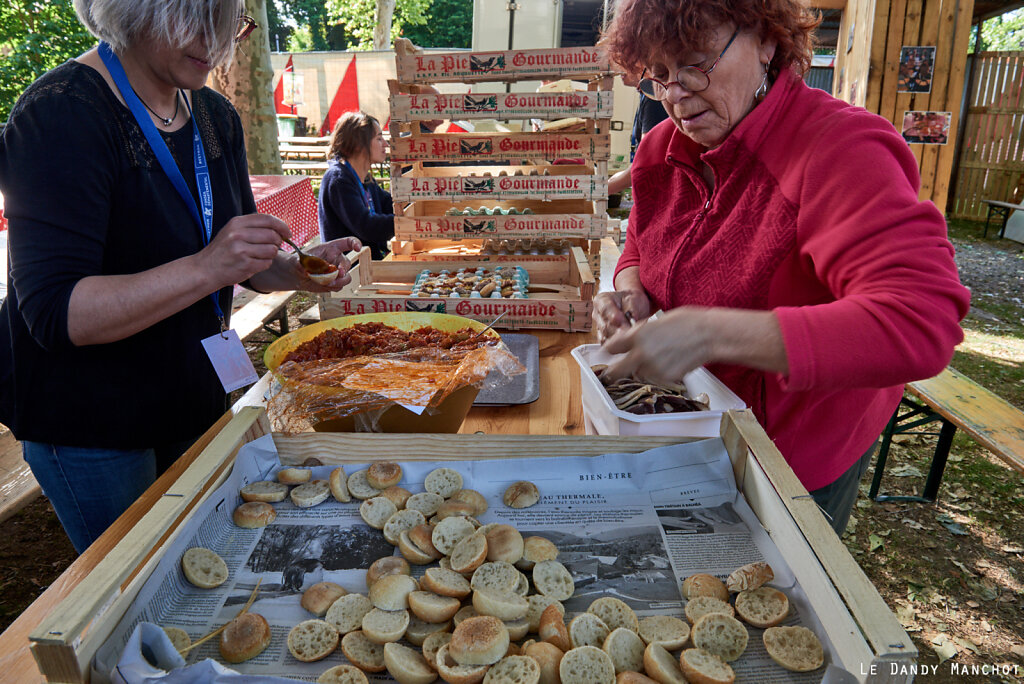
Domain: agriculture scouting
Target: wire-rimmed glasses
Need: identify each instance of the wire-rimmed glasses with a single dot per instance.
(692, 79)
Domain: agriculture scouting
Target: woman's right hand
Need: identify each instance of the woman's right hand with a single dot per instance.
(611, 309)
(245, 246)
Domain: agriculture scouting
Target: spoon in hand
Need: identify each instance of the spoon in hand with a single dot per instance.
(318, 269)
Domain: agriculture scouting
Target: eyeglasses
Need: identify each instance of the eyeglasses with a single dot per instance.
(690, 78)
(246, 25)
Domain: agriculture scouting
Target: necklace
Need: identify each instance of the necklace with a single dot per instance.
(163, 120)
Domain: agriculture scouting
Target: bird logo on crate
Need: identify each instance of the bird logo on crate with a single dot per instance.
(473, 147)
(493, 63)
(424, 307)
(480, 104)
(477, 185)
(485, 226)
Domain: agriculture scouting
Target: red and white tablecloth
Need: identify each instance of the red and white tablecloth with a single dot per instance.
(289, 198)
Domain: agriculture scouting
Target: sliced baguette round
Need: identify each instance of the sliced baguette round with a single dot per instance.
(500, 604)
(465, 613)
(472, 497)
(517, 629)
(704, 605)
(343, 674)
(312, 640)
(376, 511)
(668, 632)
(398, 496)
(339, 485)
(294, 476)
(701, 667)
(615, 613)
(504, 543)
(420, 536)
(538, 602)
(514, 669)
(720, 635)
(310, 494)
(535, 550)
(661, 666)
(363, 653)
(443, 481)
(406, 665)
(469, 553)
(419, 630)
(626, 649)
(633, 678)
(548, 656)
(750, 576)
(359, 487)
(586, 629)
(400, 521)
(254, 514)
(447, 583)
(449, 532)
(179, 637)
(433, 608)
(346, 614)
(386, 565)
(703, 584)
(552, 627)
(432, 644)
(794, 648)
(383, 474)
(762, 607)
(522, 494)
(496, 575)
(523, 585)
(204, 568)
(551, 578)
(392, 592)
(244, 637)
(455, 508)
(266, 491)
(481, 640)
(454, 673)
(412, 551)
(426, 503)
(321, 596)
(384, 626)
(586, 665)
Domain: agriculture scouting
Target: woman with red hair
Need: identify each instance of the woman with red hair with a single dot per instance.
(780, 231)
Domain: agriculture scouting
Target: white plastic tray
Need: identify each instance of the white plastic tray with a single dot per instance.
(602, 418)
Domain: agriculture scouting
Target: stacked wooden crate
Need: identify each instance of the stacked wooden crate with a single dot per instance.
(451, 212)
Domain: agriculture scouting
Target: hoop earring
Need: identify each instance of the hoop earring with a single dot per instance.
(762, 90)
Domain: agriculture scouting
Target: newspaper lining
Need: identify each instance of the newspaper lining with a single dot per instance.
(631, 526)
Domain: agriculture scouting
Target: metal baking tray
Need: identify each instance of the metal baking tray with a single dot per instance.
(519, 389)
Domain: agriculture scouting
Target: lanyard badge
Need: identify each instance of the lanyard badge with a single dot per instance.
(366, 191)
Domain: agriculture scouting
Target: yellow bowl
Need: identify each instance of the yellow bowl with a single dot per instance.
(446, 417)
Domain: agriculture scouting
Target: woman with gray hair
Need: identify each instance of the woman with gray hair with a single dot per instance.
(131, 218)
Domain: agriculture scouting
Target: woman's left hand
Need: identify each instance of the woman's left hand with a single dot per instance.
(332, 252)
(661, 350)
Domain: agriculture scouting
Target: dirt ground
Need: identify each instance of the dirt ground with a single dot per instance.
(953, 571)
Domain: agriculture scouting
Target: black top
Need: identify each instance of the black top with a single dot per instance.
(649, 113)
(86, 196)
(343, 212)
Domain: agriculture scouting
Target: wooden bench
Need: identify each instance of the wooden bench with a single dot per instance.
(18, 487)
(958, 402)
(1001, 210)
(260, 312)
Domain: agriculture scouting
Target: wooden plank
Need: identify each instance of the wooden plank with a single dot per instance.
(429, 106)
(499, 146)
(894, 39)
(988, 419)
(504, 65)
(876, 67)
(957, 78)
(912, 36)
(260, 310)
(18, 487)
(514, 226)
(498, 188)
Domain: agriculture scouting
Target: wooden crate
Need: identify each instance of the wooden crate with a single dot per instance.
(469, 250)
(561, 293)
(469, 147)
(580, 63)
(589, 104)
(868, 640)
(414, 226)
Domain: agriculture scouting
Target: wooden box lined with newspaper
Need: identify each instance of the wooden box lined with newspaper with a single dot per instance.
(559, 295)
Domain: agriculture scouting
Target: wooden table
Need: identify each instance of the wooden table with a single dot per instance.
(558, 411)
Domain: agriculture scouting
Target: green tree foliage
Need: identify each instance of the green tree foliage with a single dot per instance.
(1001, 34)
(359, 17)
(35, 36)
(449, 25)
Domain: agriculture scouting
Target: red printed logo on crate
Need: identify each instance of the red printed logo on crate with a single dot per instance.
(472, 186)
(546, 100)
(486, 103)
(589, 57)
(542, 224)
(538, 183)
(539, 144)
(474, 146)
(471, 227)
(515, 308)
(480, 63)
(354, 308)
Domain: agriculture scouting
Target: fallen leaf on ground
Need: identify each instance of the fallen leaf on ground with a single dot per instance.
(1012, 549)
(984, 589)
(906, 471)
(951, 525)
(1017, 650)
(966, 643)
(963, 567)
(944, 648)
(912, 524)
(875, 542)
(973, 604)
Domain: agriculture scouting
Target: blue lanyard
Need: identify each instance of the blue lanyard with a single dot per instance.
(366, 191)
(163, 155)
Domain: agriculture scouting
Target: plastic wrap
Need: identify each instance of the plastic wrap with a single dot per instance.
(365, 387)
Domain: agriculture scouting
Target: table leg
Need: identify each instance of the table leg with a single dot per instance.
(931, 485)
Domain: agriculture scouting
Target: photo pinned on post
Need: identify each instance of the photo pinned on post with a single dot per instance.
(917, 64)
(928, 128)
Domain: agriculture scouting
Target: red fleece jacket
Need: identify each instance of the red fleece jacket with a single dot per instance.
(815, 216)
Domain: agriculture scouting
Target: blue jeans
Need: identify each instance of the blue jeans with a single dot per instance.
(90, 488)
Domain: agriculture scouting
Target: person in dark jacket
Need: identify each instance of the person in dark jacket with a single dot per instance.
(351, 203)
